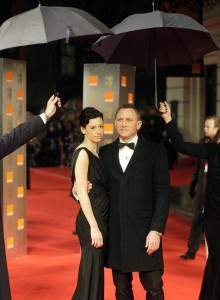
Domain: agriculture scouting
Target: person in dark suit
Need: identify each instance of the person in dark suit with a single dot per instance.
(210, 289)
(9, 143)
(197, 189)
(139, 186)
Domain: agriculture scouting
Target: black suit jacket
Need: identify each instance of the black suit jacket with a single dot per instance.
(138, 203)
(9, 143)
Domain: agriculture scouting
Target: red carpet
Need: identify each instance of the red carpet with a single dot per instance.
(49, 271)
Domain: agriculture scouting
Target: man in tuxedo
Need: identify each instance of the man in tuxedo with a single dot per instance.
(139, 187)
(9, 143)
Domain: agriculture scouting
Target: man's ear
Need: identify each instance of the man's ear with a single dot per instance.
(139, 124)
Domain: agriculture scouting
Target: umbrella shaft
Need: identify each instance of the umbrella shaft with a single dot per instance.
(155, 81)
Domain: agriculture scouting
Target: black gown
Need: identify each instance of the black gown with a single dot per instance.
(210, 289)
(90, 285)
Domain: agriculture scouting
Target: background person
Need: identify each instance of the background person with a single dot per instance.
(198, 186)
(210, 289)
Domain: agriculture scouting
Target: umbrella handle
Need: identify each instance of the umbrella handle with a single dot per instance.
(56, 94)
(158, 111)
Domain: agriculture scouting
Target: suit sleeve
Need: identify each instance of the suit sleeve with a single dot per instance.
(161, 184)
(20, 135)
(200, 150)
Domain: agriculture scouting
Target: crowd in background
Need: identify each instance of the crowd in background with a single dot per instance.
(52, 148)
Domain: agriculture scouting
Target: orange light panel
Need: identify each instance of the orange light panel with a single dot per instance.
(20, 224)
(20, 191)
(108, 128)
(9, 110)
(196, 68)
(20, 94)
(10, 242)
(109, 96)
(130, 98)
(9, 177)
(8, 76)
(93, 80)
(10, 210)
(20, 159)
(123, 81)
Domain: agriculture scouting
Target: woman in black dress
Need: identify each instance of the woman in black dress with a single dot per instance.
(210, 289)
(91, 222)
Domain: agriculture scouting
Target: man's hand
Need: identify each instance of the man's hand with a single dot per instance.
(165, 111)
(74, 189)
(51, 105)
(152, 242)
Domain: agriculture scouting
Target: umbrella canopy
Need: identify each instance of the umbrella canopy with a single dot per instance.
(156, 39)
(47, 23)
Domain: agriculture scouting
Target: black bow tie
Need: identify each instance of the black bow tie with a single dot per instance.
(130, 145)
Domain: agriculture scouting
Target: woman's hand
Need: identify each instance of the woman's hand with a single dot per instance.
(96, 236)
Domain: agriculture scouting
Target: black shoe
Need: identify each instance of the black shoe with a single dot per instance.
(188, 255)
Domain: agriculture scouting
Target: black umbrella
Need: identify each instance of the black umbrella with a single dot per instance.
(155, 39)
(48, 23)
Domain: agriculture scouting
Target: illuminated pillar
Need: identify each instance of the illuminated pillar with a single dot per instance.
(106, 87)
(13, 167)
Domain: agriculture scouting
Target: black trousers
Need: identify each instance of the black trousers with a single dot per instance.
(151, 281)
(5, 293)
(210, 289)
(196, 232)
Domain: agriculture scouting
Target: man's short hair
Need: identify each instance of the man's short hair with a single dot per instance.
(216, 120)
(127, 105)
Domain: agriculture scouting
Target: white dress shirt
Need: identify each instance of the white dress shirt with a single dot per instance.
(125, 153)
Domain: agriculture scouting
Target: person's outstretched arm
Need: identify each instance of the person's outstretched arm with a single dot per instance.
(28, 130)
(192, 149)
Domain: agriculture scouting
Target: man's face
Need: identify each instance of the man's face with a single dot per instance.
(209, 128)
(127, 123)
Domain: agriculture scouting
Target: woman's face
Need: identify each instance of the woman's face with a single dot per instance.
(94, 130)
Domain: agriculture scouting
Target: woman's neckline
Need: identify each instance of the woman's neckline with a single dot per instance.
(95, 154)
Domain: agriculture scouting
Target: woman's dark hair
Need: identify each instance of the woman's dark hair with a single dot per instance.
(86, 115)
